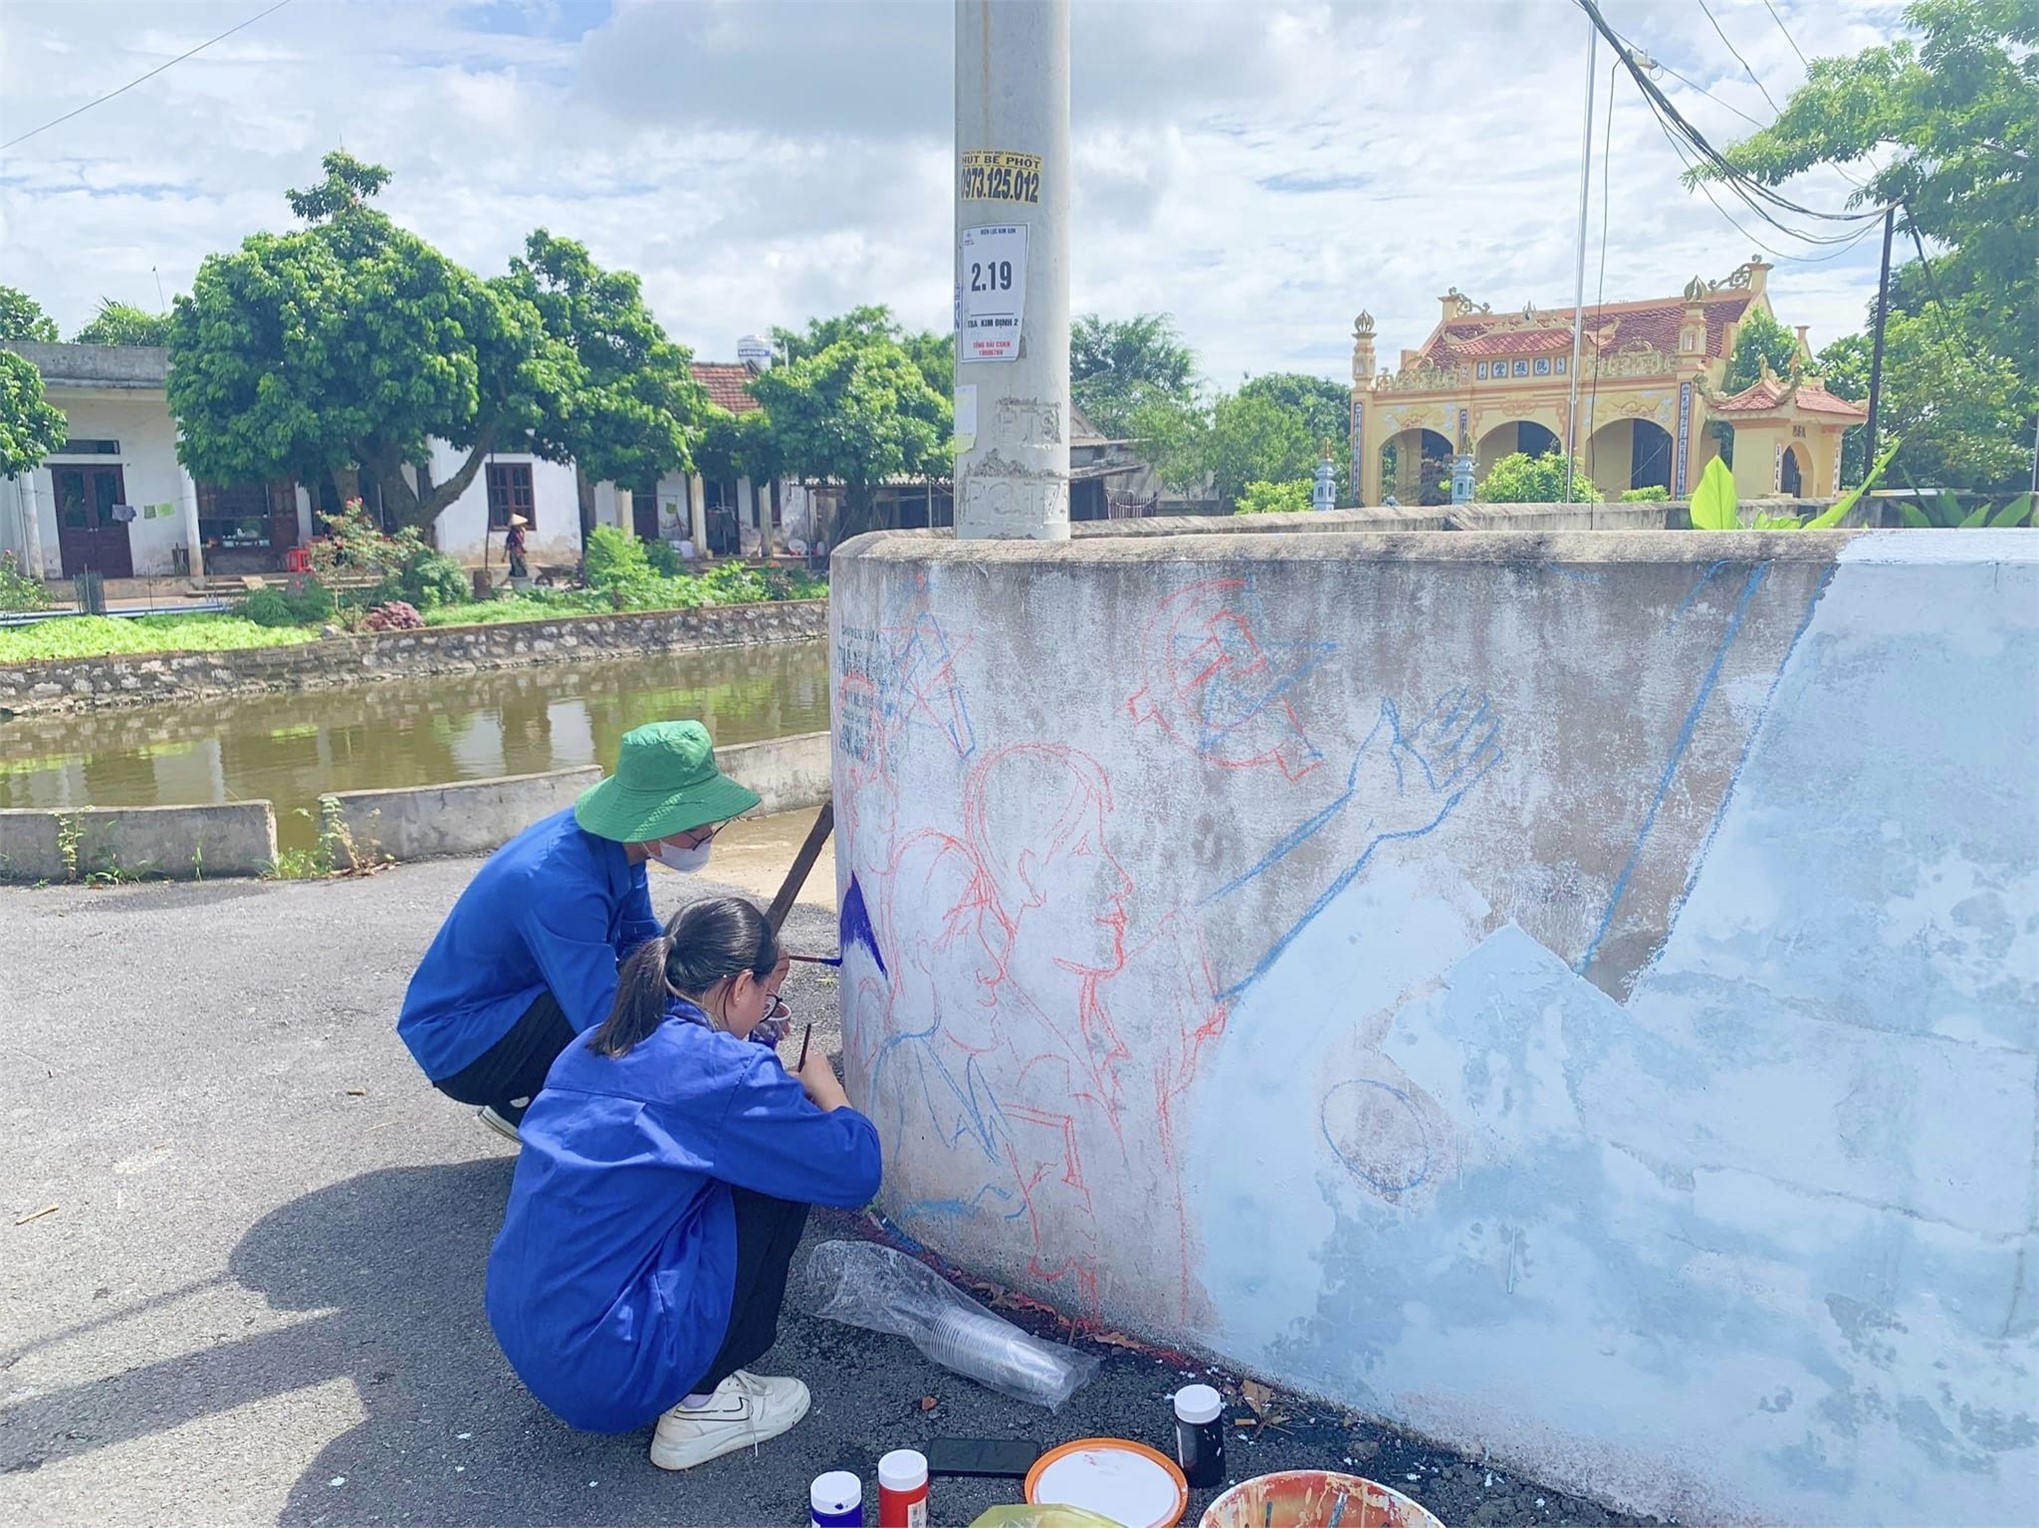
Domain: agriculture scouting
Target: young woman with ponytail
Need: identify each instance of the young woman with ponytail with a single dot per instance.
(667, 1170)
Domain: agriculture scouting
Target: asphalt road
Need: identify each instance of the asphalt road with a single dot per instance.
(254, 1295)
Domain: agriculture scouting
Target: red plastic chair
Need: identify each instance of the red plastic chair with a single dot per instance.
(297, 560)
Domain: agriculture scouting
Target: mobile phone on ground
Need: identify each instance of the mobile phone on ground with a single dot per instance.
(981, 1457)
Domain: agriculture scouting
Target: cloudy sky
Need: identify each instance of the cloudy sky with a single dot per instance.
(1261, 169)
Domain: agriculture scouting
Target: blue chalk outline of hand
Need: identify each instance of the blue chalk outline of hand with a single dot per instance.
(1442, 757)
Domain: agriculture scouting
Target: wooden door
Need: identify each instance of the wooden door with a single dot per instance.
(88, 537)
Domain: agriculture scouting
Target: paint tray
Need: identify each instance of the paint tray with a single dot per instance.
(1288, 1499)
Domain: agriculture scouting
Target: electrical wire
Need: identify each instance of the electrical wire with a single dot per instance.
(1787, 34)
(139, 79)
(1707, 11)
(1765, 202)
(1716, 100)
(1600, 292)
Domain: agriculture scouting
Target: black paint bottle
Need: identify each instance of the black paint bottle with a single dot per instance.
(1200, 1435)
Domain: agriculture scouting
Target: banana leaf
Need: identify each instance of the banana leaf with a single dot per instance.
(1834, 515)
(1714, 506)
(2017, 513)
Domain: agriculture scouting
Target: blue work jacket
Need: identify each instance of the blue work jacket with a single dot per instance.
(554, 908)
(611, 1285)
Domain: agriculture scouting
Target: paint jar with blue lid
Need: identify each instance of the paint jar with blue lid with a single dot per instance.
(836, 1501)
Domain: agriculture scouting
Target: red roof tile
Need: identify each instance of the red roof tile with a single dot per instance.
(1771, 394)
(1654, 323)
(725, 381)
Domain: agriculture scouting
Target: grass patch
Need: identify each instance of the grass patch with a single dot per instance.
(520, 608)
(92, 636)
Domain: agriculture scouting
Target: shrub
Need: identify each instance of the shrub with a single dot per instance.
(410, 570)
(310, 602)
(394, 616)
(427, 579)
(615, 558)
(1274, 498)
(19, 592)
(1649, 493)
(664, 558)
(1520, 478)
(268, 607)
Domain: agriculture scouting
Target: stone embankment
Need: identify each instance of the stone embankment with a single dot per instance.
(141, 679)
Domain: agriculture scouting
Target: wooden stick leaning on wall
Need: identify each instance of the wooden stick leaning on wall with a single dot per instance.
(803, 863)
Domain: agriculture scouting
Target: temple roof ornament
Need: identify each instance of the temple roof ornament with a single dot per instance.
(1459, 305)
(1363, 325)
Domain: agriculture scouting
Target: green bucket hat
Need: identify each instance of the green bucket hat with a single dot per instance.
(665, 783)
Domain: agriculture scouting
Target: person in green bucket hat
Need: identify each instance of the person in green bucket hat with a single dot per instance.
(528, 957)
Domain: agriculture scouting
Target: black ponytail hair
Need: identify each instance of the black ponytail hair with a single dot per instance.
(707, 941)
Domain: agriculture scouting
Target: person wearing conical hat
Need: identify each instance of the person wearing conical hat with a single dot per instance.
(513, 544)
(528, 957)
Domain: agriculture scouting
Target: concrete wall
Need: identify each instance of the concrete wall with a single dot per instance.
(150, 477)
(1573, 995)
(786, 772)
(474, 817)
(463, 525)
(183, 843)
(469, 817)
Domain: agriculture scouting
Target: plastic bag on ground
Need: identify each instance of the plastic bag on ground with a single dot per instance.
(884, 1291)
(1041, 1515)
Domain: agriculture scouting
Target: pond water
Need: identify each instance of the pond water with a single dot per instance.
(287, 749)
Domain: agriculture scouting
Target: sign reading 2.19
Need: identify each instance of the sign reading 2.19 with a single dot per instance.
(991, 276)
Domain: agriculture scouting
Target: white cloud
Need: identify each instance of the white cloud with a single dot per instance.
(1261, 171)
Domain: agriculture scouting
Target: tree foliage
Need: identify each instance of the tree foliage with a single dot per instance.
(1957, 410)
(859, 410)
(351, 342)
(1325, 406)
(1253, 438)
(1274, 498)
(30, 426)
(22, 318)
(1520, 478)
(1119, 366)
(124, 324)
(934, 354)
(1949, 115)
(1759, 339)
(630, 402)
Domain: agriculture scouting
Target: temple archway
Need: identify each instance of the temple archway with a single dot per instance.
(1793, 469)
(1416, 467)
(1629, 453)
(1524, 435)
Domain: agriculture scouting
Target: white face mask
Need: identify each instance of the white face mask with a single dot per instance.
(689, 860)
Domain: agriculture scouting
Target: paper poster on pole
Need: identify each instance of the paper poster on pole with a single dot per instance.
(966, 416)
(994, 291)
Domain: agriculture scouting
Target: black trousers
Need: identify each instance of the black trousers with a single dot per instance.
(767, 1232)
(515, 1066)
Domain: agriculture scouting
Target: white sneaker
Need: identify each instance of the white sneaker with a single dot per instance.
(746, 1409)
(496, 1123)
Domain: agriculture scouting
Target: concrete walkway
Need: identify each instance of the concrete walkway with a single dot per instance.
(242, 1248)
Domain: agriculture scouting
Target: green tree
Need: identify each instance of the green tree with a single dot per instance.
(351, 343)
(30, 426)
(1118, 365)
(22, 318)
(934, 354)
(1959, 411)
(1520, 478)
(1174, 437)
(627, 408)
(1758, 339)
(1949, 116)
(124, 324)
(858, 411)
(1255, 439)
(1274, 498)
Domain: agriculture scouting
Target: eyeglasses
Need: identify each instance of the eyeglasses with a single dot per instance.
(696, 837)
(776, 1009)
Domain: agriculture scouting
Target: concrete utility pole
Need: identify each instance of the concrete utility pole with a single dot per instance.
(1012, 269)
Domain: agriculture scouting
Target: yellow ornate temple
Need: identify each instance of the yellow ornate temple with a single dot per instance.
(1486, 384)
